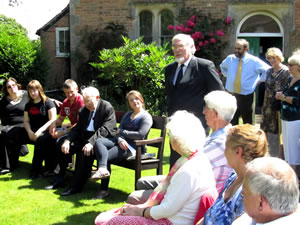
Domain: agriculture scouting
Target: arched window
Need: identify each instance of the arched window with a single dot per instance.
(166, 19)
(146, 26)
(260, 24)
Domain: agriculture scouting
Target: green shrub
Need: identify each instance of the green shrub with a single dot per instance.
(20, 57)
(138, 66)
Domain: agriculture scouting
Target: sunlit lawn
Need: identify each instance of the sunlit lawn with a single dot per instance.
(25, 202)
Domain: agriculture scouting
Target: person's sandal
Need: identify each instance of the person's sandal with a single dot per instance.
(101, 173)
(101, 195)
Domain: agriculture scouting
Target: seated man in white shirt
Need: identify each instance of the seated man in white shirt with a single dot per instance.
(271, 193)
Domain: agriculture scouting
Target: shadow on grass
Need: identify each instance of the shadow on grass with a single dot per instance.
(86, 218)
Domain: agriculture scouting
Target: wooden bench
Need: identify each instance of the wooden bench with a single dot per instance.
(139, 164)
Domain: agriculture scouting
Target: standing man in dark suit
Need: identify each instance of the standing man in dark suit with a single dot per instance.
(188, 80)
(96, 119)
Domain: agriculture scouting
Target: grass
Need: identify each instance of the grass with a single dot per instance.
(25, 202)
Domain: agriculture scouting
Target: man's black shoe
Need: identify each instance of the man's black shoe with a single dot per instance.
(4, 171)
(56, 184)
(69, 191)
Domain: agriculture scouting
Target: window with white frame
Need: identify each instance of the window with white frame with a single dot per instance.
(62, 42)
(153, 23)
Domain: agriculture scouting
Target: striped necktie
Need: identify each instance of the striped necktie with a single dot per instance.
(238, 78)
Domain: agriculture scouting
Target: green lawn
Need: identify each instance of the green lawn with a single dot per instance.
(24, 201)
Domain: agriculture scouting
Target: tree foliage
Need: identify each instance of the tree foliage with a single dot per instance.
(19, 56)
(92, 41)
(138, 66)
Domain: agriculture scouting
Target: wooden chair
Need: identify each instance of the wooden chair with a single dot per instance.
(139, 164)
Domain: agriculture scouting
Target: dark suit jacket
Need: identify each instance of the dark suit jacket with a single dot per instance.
(199, 79)
(104, 123)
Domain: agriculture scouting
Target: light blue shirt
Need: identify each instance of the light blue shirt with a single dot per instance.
(253, 71)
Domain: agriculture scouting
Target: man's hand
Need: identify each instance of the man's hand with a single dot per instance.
(65, 148)
(88, 149)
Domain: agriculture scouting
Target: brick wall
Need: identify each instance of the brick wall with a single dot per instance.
(59, 66)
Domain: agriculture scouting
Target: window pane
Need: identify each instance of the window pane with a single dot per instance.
(260, 24)
(146, 26)
(61, 41)
(167, 18)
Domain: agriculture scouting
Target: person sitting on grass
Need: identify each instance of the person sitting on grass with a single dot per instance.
(176, 199)
(135, 125)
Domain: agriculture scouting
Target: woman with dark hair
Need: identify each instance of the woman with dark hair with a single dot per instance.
(39, 113)
(11, 115)
(134, 125)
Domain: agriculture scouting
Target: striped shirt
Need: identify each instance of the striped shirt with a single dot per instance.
(214, 149)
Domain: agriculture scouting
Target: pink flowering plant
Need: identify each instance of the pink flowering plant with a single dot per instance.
(208, 33)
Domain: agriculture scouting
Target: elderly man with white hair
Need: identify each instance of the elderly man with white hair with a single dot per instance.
(219, 109)
(188, 80)
(96, 119)
(271, 193)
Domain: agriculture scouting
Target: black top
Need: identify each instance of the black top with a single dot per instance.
(200, 78)
(38, 113)
(13, 113)
(291, 112)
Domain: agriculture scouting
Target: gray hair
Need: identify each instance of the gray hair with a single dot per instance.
(187, 39)
(274, 179)
(295, 58)
(223, 103)
(187, 130)
(90, 92)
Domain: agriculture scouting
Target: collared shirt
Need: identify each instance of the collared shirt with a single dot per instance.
(183, 69)
(289, 219)
(72, 110)
(253, 71)
(214, 150)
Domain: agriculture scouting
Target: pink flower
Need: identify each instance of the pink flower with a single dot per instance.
(190, 23)
(179, 27)
(220, 33)
(171, 27)
(211, 34)
(193, 19)
(228, 20)
(187, 30)
(194, 36)
(197, 48)
(200, 44)
(206, 42)
(199, 35)
(212, 40)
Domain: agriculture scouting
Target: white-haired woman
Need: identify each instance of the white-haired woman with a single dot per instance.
(278, 78)
(176, 199)
(290, 113)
